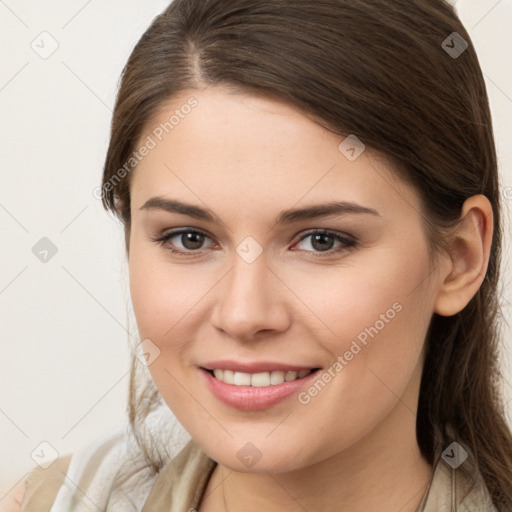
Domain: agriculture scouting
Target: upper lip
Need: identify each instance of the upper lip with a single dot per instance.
(254, 367)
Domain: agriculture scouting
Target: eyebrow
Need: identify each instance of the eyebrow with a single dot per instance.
(285, 217)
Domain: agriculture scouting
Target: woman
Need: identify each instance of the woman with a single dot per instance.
(310, 200)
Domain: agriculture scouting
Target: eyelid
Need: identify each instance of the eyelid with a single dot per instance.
(329, 232)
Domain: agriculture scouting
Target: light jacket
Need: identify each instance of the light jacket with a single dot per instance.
(83, 482)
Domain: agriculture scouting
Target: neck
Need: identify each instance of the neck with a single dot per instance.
(383, 471)
(384, 476)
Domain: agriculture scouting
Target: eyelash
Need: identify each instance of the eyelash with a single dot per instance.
(347, 242)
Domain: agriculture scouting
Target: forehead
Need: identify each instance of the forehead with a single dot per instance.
(254, 151)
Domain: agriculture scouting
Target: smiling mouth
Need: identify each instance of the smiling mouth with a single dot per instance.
(261, 379)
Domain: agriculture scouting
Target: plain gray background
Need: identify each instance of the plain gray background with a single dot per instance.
(64, 323)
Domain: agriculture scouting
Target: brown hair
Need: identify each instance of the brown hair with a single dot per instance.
(376, 69)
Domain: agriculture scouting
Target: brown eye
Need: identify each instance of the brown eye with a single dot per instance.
(192, 240)
(185, 241)
(324, 242)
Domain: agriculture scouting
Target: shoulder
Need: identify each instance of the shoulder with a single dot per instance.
(37, 490)
(462, 485)
(14, 498)
(58, 483)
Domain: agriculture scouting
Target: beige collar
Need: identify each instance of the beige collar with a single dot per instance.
(181, 483)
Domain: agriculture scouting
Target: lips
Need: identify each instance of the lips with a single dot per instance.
(255, 366)
(253, 398)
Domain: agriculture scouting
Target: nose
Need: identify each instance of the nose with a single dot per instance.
(251, 300)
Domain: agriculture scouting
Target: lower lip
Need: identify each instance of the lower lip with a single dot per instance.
(251, 398)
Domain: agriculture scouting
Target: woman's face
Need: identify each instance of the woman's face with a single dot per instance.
(250, 282)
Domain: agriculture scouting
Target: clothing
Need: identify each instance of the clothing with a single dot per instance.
(82, 482)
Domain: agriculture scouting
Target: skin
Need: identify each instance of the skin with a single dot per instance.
(12, 501)
(247, 158)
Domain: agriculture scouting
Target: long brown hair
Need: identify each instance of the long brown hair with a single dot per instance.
(380, 70)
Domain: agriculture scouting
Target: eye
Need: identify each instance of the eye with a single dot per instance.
(191, 241)
(322, 241)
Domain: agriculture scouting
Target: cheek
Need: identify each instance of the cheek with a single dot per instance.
(350, 302)
(374, 320)
(163, 299)
(168, 300)
(161, 293)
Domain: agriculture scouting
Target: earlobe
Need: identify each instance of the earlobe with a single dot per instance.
(469, 254)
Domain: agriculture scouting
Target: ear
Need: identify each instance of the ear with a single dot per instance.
(469, 255)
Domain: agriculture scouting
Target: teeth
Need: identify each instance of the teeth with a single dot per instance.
(290, 376)
(258, 379)
(276, 378)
